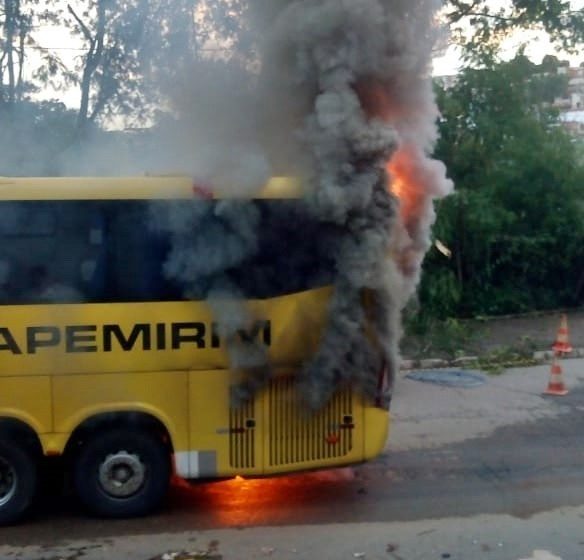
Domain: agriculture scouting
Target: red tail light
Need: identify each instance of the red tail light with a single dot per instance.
(203, 191)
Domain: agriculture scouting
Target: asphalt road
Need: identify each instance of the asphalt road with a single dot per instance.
(520, 469)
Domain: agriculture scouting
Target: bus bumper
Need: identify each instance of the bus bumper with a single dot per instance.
(376, 424)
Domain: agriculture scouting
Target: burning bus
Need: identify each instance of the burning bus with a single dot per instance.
(149, 327)
(112, 361)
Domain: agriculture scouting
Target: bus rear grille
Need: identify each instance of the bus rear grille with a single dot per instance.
(242, 436)
(298, 437)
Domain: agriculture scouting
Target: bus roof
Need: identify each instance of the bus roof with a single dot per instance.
(132, 188)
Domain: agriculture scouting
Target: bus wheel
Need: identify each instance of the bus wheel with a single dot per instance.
(122, 473)
(18, 481)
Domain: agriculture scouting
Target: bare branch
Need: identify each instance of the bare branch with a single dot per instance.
(84, 28)
(462, 10)
(496, 17)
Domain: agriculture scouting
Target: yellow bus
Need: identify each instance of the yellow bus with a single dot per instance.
(104, 362)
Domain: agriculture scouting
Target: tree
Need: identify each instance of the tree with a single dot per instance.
(133, 47)
(15, 24)
(132, 50)
(109, 75)
(33, 137)
(18, 19)
(515, 224)
(479, 28)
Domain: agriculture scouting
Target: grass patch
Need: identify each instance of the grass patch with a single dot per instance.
(518, 355)
(454, 338)
(496, 362)
(432, 338)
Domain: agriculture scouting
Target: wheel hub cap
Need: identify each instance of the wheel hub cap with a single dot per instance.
(8, 481)
(121, 474)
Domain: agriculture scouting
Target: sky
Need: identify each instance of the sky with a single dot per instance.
(538, 45)
(70, 47)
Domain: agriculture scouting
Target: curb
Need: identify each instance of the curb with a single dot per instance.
(470, 361)
(549, 354)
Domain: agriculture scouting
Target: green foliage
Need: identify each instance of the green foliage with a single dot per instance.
(427, 336)
(515, 225)
(130, 48)
(498, 360)
(442, 293)
(32, 136)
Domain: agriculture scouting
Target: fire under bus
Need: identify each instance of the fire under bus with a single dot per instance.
(105, 364)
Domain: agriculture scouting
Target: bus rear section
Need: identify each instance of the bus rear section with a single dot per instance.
(105, 362)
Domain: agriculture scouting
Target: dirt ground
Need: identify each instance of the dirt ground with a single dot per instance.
(540, 329)
(528, 333)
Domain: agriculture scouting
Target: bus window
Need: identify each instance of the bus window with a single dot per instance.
(135, 255)
(47, 251)
(30, 219)
(285, 252)
(114, 251)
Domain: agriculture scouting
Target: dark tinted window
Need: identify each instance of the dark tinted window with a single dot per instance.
(106, 251)
(48, 250)
(32, 219)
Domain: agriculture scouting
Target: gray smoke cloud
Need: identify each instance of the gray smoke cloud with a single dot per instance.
(359, 70)
(210, 239)
(214, 134)
(207, 129)
(344, 99)
(338, 93)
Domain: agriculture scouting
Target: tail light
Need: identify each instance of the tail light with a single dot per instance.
(203, 191)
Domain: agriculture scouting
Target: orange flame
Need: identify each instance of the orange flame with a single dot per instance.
(404, 183)
(378, 104)
(411, 176)
(401, 183)
(397, 184)
(240, 502)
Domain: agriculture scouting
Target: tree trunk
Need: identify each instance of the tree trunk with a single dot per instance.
(10, 27)
(21, 45)
(460, 244)
(92, 63)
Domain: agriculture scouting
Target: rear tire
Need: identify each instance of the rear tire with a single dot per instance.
(122, 473)
(18, 481)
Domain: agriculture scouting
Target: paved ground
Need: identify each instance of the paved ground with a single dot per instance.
(427, 415)
(549, 536)
(495, 472)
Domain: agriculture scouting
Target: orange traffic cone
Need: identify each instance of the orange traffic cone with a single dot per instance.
(556, 385)
(562, 344)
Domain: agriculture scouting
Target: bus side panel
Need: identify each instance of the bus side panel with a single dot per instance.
(151, 336)
(161, 394)
(27, 399)
(225, 440)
